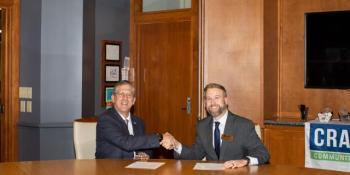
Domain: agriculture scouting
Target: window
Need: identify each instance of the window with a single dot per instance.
(159, 5)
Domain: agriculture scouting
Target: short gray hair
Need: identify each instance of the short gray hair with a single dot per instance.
(123, 82)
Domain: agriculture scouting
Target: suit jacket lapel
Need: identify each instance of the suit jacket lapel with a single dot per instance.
(135, 126)
(228, 131)
(120, 120)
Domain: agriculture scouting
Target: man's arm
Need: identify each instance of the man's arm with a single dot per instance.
(181, 151)
(256, 151)
(114, 134)
(255, 147)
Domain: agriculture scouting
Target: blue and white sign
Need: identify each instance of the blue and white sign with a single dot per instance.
(327, 146)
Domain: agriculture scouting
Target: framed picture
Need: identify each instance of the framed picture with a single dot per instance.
(108, 96)
(112, 73)
(111, 50)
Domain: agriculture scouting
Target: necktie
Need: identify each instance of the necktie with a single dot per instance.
(129, 127)
(217, 138)
(127, 124)
(131, 131)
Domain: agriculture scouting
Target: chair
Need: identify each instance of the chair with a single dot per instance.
(258, 130)
(84, 137)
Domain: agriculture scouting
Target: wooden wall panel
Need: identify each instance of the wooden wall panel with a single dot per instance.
(292, 91)
(285, 144)
(233, 53)
(270, 58)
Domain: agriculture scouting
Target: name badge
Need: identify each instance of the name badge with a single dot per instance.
(227, 137)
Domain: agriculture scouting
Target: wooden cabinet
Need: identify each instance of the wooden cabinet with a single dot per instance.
(285, 144)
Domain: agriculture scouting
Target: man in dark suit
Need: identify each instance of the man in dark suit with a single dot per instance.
(223, 135)
(119, 134)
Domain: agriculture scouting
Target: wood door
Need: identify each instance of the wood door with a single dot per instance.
(9, 79)
(165, 57)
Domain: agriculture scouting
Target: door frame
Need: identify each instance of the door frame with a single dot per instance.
(9, 133)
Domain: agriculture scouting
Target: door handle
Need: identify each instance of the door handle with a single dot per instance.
(188, 105)
(2, 109)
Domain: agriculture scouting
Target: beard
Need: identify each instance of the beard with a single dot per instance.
(217, 111)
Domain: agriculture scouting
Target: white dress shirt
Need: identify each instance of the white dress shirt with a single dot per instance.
(128, 121)
(222, 120)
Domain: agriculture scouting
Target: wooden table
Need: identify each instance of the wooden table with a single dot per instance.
(117, 167)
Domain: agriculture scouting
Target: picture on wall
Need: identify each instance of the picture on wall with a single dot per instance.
(112, 73)
(108, 97)
(112, 52)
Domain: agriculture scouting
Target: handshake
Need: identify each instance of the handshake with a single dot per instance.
(169, 142)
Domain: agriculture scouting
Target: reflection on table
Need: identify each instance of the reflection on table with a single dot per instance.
(114, 167)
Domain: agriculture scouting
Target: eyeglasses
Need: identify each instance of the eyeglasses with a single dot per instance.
(126, 95)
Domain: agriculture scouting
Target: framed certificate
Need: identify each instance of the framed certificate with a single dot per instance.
(112, 73)
(111, 50)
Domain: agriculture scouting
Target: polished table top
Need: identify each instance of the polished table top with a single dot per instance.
(117, 167)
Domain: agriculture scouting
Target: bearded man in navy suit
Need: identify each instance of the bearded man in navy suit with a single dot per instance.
(121, 135)
(222, 135)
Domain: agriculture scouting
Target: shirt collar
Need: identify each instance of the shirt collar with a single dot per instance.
(223, 118)
(127, 118)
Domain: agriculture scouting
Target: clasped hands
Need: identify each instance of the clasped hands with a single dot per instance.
(169, 142)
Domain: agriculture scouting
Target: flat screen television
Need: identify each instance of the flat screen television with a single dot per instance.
(327, 50)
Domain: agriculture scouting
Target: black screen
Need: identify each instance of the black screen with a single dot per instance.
(327, 44)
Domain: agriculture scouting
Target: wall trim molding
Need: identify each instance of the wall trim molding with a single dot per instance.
(46, 125)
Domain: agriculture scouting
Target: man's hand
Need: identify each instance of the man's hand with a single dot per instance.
(235, 163)
(169, 142)
(141, 156)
